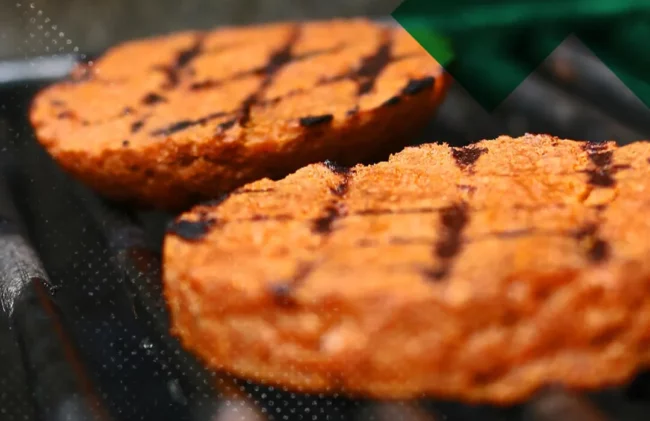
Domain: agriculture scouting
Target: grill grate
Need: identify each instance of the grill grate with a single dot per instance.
(84, 329)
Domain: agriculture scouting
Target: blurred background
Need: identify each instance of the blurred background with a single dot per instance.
(34, 27)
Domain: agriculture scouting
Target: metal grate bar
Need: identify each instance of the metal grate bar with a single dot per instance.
(576, 69)
(141, 266)
(61, 389)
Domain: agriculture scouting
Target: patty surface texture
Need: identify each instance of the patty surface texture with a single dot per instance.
(478, 273)
(167, 121)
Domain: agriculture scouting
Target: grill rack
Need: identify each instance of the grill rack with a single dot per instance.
(84, 329)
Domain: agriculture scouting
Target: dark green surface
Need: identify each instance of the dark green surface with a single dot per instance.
(498, 44)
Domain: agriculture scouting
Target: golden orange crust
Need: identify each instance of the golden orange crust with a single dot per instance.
(479, 273)
(166, 121)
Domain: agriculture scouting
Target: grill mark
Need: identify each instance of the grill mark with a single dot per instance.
(352, 111)
(394, 100)
(415, 86)
(125, 143)
(226, 125)
(183, 59)
(310, 121)
(596, 249)
(353, 75)
(185, 124)
(601, 176)
(136, 126)
(454, 219)
(191, 230)
(323, 225)
(153, 98)
(293, 59)
(372, 66)
(260, 71)
(466, 156)
(206, 84)
(336, 168)
(336, 208)
(603, 173)
(282, 292)
(276, 62)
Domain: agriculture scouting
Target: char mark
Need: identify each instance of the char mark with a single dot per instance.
(185, 124)
(183, 59)
(596, 249)
(323, 224)
(467, 156)
(415, 86)
(453, 220)
(206, 84)
(262, 70)
(602, 159)
(310, 121)
(136, 126)
(226, 125)
(191, 230)
(352, 111)
(337, 168)
(152, 99)
(282, 292)
(394, 100)
(601, 178)
(372, 66)
(276, 62)
(336, 207)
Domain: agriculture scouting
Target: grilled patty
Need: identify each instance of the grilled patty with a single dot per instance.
(166, 121)
(478, 273)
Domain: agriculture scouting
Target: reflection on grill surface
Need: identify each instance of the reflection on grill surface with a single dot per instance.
(84, 324)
